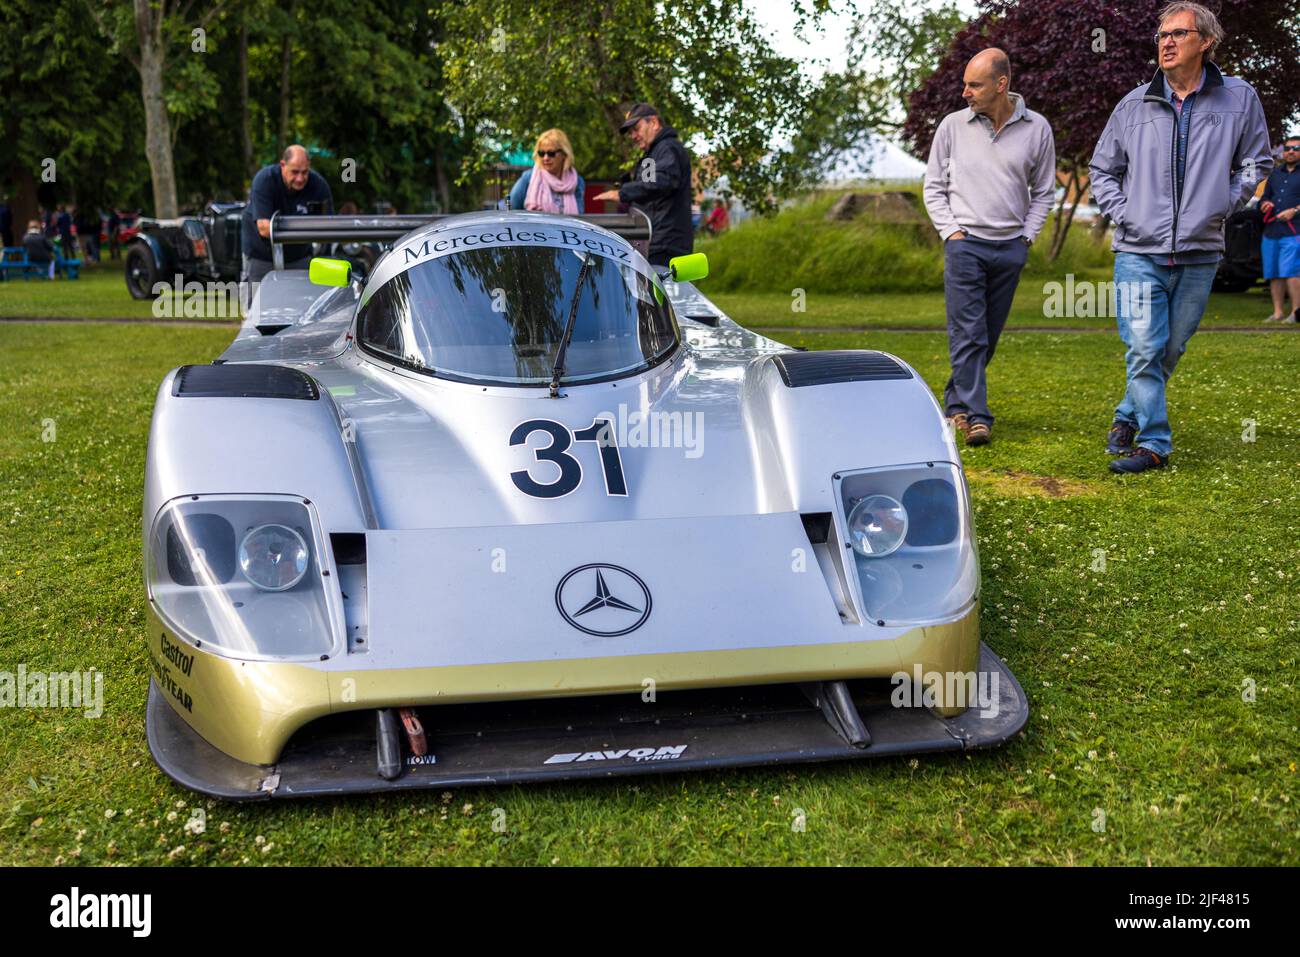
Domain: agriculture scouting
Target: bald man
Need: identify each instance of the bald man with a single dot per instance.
(290, 187)
(989, 187)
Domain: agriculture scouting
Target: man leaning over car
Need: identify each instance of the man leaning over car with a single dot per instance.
(1176, 158)
(988, 188)
(290, 187)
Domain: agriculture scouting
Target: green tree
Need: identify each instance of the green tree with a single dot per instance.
(154, 36)
(895, 45)
(67, 131)
(374, 109)
(516, 67)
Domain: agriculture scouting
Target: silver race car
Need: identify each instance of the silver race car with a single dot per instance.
(521, 506)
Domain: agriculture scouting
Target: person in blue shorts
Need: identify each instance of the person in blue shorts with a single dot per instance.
(1280, 205)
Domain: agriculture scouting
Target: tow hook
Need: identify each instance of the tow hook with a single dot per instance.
(414, 731)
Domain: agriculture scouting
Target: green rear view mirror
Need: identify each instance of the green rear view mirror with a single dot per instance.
(330, 272)
(689, 268)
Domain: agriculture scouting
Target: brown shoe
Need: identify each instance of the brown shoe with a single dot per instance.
(978, 433)
(960, 423)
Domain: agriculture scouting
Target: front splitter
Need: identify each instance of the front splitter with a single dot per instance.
(593, 737)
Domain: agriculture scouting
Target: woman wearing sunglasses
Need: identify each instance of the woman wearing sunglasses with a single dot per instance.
(552, 185)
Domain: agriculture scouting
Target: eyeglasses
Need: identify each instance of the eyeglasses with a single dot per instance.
(549, 153)
(1291, 149)
(1179, 35)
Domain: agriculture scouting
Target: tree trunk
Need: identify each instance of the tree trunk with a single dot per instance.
(1063, 217)
(157, 126)
(246, 134)
(23, 203)
(286, 58)
(611, 86)
(441, 187)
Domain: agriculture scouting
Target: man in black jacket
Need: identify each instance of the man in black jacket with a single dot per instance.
(40, 251)
(659, 184)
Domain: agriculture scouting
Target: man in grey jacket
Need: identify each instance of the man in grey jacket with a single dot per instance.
(988, 189)
(1177, 157)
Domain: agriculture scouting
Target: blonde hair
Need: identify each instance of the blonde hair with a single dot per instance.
(556, 138)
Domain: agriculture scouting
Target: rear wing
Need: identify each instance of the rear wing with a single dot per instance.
(634, 226)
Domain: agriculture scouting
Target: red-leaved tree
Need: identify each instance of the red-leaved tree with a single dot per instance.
(1073, 60)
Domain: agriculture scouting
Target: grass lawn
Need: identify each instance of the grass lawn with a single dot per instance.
(1135, 673)
(925, 310)
(99, 293)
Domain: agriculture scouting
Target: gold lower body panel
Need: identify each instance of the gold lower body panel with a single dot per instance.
(250, 709)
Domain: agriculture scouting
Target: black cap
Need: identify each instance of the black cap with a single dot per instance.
(636, 114)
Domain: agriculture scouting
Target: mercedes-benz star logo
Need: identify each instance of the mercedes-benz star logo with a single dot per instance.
(605, 598)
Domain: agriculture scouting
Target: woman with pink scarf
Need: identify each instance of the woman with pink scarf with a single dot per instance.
(552, 185)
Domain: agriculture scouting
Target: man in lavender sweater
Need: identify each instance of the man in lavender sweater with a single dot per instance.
(989, 186)
(1178, 156)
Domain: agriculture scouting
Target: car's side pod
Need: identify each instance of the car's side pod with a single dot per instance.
(254, 428)
(812, 415)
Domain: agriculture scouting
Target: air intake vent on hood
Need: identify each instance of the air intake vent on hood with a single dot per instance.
(236, 380)
(837, 365)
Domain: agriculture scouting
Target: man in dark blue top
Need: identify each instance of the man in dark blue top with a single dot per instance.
(64, 223)
(289, 187)
(1280, 205)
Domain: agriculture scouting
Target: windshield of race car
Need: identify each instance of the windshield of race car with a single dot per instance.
(497, 315)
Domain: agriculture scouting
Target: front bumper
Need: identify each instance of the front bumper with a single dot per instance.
(251, 709)
(593, 737)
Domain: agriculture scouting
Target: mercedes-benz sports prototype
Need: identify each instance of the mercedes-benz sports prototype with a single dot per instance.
(521, 506)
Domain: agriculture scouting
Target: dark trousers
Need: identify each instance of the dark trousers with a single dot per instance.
(979, 281)
(660, 257)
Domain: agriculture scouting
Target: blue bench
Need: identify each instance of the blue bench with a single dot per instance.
(14, 260)
(70, 267)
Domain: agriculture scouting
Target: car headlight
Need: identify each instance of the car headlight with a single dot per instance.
(913, 545)
(877, 526)
(273, 557)
(244, 576)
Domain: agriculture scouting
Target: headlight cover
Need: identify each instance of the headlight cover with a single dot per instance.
(931, 572)
(214, 577)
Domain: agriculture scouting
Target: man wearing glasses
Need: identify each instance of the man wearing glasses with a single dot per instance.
(660, 184)
(1177, 157)
(1281, 247)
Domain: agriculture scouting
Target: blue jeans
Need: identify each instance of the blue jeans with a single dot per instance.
(1158, 308)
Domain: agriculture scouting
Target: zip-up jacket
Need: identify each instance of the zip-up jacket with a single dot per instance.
(660, 184)
(1133, 172)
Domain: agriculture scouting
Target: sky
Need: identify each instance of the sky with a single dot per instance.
(824, 50)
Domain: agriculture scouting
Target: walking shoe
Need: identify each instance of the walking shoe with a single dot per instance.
(1139, 460)
(978, 434)
(1290, 320)
(1120, 437)
(960, 423)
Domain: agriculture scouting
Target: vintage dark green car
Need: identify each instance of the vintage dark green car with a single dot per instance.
(206, 248)
(197, 248)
